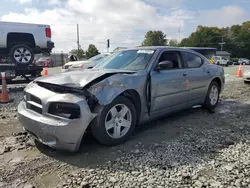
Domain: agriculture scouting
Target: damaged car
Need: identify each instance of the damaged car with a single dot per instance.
(128, 88)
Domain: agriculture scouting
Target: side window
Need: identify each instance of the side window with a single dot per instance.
(192, 60)
(173, 57)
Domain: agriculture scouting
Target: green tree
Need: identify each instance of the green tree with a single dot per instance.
(92, 51)
(236, 38)
(173, 42)
(75, 52)
(155, 38)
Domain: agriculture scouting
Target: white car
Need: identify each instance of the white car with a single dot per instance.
(20, 41)
(87, 64)
(218, 60)
(244, 61)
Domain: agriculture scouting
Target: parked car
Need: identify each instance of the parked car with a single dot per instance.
(246, 76)
(244, 61)
(218, 60)
(130, 87)
(87, 64)
(20, 41)
(44, 61)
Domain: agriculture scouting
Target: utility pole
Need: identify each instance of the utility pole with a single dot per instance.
(222, 42)
(108, 44)
(179, 34)
(78, 43)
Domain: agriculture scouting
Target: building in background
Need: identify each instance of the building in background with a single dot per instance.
(224, 54)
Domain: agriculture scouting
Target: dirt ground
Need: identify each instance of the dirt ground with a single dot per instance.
(189, 149)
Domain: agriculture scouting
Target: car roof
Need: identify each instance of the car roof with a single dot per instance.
(162, 48)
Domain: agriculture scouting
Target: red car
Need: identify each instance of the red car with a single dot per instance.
(44, 61)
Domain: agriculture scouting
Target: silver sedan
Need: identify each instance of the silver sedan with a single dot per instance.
(128, 88)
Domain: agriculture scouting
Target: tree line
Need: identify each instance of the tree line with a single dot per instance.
(235, 40)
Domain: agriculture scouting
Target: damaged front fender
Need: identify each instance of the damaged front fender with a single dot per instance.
(107, 90)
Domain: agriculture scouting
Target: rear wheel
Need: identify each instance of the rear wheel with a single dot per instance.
(21, 54)
(115, 123)
(212, 97)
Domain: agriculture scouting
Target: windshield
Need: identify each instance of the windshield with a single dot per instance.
(127, 60)
(216, 58)
(98, 58)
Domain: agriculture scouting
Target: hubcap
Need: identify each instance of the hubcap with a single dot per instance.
(214, 95)
(22, 55)
(118, 121)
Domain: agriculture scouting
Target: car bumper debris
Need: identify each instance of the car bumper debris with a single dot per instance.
(56, 120)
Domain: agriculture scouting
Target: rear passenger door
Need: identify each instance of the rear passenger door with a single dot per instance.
(197, 75)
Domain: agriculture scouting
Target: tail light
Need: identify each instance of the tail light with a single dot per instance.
(48, 32)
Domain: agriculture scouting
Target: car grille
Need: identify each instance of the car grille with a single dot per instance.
(34, 103)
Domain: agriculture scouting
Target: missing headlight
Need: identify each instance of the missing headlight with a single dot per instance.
(65, 110)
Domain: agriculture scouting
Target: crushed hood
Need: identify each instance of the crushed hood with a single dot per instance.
(80, 78)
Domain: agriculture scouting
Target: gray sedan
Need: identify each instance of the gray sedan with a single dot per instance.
(128, 88)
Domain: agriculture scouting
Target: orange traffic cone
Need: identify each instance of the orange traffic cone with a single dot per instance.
(4, 98)
(46, 72)
(239, 72)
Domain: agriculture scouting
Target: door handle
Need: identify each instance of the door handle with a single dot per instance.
(184, 74)
(208, 72)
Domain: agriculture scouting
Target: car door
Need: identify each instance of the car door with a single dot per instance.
(169, 88)
(197, 75)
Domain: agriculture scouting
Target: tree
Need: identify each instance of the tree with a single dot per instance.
(155, 38)
(173, 42)
(92, 51)
(75, 52)
(236, 38)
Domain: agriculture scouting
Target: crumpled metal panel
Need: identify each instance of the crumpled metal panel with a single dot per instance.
(66, 130)
(76, 78)
(108, 89)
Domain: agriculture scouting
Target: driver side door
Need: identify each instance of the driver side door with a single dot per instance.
(170, 87)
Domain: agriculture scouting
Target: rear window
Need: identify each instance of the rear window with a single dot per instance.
(192, 60)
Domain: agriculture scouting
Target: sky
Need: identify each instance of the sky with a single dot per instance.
(124, 22)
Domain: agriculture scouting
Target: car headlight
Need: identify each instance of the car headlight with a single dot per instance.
(65, 110)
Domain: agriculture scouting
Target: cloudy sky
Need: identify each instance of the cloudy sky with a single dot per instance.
(124, 22)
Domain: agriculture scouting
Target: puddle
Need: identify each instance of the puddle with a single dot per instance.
(7, 127)
(48, 180)
(18, 156)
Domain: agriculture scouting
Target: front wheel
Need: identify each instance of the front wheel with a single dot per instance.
(212, 97)
(115, 122)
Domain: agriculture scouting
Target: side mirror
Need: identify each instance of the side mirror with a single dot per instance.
(165, 65)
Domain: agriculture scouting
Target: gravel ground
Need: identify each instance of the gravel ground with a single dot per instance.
(193, 148)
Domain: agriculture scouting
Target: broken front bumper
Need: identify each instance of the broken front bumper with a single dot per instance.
(53, 131)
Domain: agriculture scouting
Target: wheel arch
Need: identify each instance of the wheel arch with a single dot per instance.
(20, 38)
(134, 96)
(218, 80)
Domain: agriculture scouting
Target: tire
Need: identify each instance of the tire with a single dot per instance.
(212, 103)
(246, 82)
(98, 126)
(21, 54)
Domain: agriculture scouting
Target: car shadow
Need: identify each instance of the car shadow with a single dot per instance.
(189, 136)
